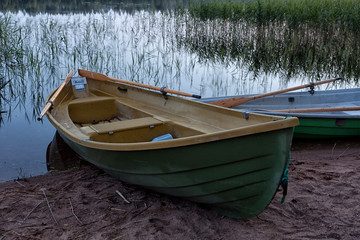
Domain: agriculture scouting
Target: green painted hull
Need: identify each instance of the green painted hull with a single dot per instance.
(238, 177)
(226, 159)
(327, 128)
(323, 124)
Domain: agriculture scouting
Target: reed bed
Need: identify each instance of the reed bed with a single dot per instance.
(315, 39)
(316, 13)
(275, 48)
(11, 56)
(172, 49)
(139, 47)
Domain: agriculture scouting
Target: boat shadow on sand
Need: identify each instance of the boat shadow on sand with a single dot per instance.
(60, 157)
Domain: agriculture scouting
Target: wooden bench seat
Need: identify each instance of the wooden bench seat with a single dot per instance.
(121, 125)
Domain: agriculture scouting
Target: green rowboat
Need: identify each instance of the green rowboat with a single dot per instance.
(323, 114)
(228, 160)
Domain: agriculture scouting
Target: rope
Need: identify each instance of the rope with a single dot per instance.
(285, 178)
(162, 90)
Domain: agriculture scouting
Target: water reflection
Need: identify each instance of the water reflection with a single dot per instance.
(209, 58)
(59, 156)
(275, 48)
(141, 47)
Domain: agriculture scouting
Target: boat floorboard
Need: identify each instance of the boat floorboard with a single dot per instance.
(163, 115)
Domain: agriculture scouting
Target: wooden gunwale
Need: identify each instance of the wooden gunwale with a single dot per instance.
(210, 132)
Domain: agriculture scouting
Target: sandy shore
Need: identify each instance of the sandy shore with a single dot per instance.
(323, 202)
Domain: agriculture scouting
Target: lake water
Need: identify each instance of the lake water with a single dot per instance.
(155, 46)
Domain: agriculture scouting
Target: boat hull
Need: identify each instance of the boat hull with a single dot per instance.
(323, 128)
(237, 177)
(311, 125)
(226, 159)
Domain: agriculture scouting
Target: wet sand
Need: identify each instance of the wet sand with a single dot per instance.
(323, 202)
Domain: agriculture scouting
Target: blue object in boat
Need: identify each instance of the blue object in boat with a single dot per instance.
(167, 136)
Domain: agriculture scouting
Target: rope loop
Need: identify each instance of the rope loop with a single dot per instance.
(162, 90)
(51, 102)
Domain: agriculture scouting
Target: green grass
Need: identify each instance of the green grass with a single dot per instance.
(274, 46)
(11, 40)
(287, 37)
(11, 53)
(37, 52)
(317, 13)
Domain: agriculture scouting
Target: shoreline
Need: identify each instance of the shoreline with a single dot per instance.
(322, 202)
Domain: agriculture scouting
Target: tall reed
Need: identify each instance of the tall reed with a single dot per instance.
(316, 13)
(210, 57)
(138, 47)
(11, 56)
(290, 37)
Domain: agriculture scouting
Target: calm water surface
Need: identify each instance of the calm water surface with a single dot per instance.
(151, 47)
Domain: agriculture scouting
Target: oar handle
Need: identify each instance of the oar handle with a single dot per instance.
(103, 77)
(50, 103)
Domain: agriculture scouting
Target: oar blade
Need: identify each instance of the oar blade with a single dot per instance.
(93, 75)
(50, 103)
(230, 102)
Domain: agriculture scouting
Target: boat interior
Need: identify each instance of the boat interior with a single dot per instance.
(106, 114)
(106, 119)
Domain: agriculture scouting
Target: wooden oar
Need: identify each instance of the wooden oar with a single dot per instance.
(311, 110)
(102, 77)
(232, 102)
(50, 103)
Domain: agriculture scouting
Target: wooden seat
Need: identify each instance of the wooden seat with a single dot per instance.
(121, 125)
